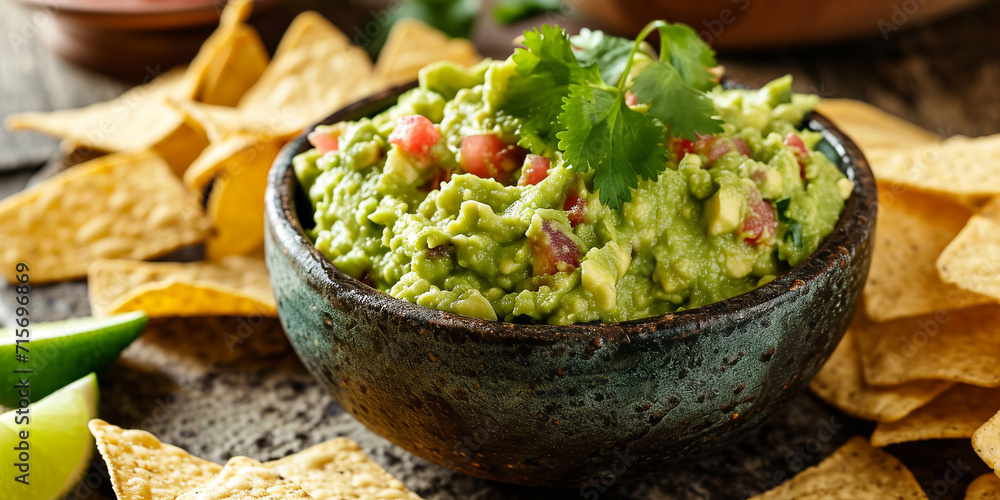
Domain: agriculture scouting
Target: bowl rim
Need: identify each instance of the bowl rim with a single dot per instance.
(855, 226)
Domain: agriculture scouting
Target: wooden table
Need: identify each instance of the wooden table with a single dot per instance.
(259, 401)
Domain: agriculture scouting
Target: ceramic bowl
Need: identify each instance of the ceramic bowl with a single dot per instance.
(130, 39)
(564, 405)
(757, 24)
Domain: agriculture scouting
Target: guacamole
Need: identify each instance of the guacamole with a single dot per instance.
(440, 201)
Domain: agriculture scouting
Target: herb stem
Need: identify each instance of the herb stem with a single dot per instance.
(653, 25)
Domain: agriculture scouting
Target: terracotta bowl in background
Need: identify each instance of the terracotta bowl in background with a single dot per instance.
(756, 24)
(130, 39)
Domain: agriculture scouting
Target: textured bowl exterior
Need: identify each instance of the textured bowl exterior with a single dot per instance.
(564, 405)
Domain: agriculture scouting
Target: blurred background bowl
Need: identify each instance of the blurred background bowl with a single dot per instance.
(758, 24)
(130, 39)
(135, 39)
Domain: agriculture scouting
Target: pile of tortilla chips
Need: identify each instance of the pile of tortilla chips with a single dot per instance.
(143, 468)
(922, 357)
(211, 130)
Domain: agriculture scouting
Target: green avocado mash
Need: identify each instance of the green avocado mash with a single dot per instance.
(440, 201)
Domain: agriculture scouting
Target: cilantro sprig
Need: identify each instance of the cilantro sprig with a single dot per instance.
(574, 91)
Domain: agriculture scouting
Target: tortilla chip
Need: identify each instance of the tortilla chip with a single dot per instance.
(958, 167)
(229, 155)
(338, 470)
(137, 120)
(985, 487)
(310, 31)
(856, 471)
(234, 286)
(180, 147)
(143, 468)
(913, 229)
(124, 205)
(241, 63)
(972, 260)
(315, 71)
(219, 122)
(229, 62)
(412, 44)
(956, 413)
(841, 383)
(986, 442)
(236, 203)
(878, 133)
(959, 346)
(243, 479)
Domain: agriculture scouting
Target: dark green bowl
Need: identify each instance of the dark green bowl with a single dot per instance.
(564, 405)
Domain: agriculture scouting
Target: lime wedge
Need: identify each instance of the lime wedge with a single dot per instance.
(58, 443)
(60, 352)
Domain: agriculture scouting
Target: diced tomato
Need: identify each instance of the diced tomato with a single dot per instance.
(798, 148)
(415, 134)
(682, 147)
(760, 223)
(741, 146)
(794, 142)
(553, 251)
(712, 147)
(323, 142)
(487, 156)
(631, 99)
(716, 148)
(535, 170)
(573, 206)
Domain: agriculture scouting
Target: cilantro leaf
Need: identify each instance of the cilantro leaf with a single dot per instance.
(781, 207)
(545, 69)
(688, 53)
(609, 53)
(576, 96)
(686, 111)
(602, 133)
(794, 233)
